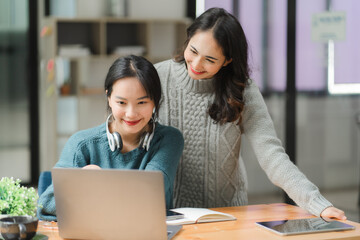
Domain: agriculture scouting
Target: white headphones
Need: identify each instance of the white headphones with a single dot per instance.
(115, 141)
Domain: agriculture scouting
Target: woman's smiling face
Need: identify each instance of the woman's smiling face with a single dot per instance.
(203, 56)
(131, 107)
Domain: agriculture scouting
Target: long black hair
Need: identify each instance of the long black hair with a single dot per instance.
(231, 80)
(142, 69)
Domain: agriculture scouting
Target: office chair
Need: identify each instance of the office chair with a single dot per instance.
(44, 181)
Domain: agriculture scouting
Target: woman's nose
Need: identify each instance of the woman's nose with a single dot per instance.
(196, 63)
(131, 112)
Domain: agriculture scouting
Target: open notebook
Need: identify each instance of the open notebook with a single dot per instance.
(110, 204)
(199, 215)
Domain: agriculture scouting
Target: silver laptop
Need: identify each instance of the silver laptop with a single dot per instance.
(110, 204)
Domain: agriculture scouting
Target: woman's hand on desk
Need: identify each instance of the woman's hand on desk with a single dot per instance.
(333, 212)
(91, 166)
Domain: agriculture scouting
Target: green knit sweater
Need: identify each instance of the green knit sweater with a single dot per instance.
(91, 147)
(211, 172)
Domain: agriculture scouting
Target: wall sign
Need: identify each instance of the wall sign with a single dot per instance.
(328, 26)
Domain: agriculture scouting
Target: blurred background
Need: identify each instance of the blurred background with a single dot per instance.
(304, 55)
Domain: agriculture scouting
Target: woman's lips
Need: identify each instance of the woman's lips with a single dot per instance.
(131, 123)
(196, 72)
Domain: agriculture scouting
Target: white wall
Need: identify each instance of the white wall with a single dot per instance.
(157, 8)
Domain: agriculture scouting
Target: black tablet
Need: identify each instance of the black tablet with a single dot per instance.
(303, 226)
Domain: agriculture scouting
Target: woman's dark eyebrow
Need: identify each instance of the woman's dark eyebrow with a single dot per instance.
(140, 98)
(118, 97)
(198, 52)
(194, 48)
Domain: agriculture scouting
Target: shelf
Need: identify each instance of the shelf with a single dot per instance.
(102, 36)
(79, 52)
(120, 34)
(86, 34)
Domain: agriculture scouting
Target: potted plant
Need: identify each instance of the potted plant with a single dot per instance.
(16, 200)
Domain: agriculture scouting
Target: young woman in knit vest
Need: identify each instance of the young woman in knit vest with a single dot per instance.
(208, 95)
(130, 138)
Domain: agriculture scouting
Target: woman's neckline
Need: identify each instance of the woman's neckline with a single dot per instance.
(188, 84)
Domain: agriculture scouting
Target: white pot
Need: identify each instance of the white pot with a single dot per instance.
(4, 215)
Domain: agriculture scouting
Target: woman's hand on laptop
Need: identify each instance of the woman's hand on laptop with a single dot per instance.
(332, 212)
(91, 166)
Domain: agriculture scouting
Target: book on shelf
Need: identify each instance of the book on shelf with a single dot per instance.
(73, 50)
(199, 215)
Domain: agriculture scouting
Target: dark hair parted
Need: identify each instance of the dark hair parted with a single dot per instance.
(140, 68)
(231, 80)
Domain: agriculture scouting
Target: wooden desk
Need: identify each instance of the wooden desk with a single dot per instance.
(243, 228)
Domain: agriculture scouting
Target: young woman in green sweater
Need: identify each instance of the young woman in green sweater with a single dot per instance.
(130, 138)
